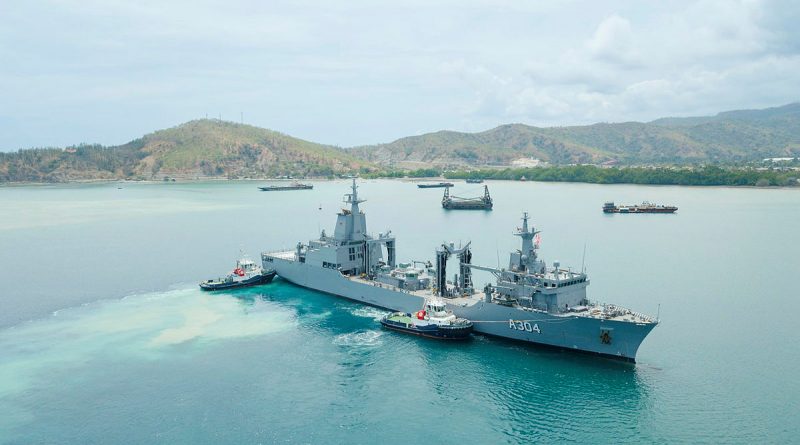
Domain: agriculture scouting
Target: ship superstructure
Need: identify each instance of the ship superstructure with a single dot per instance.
(529, 301)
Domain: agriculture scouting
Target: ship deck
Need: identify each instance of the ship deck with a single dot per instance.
(597, 311)
(287, 255)
(594, 310)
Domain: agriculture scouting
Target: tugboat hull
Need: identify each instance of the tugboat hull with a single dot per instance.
(211, 285)
(405, 324)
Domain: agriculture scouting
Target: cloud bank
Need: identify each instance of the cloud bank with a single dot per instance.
(361, 72)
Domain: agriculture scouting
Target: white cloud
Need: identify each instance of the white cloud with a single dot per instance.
(701, 58)
(613, 41)
(355, 73)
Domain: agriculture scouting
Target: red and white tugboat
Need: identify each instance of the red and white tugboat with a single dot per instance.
(432, 321)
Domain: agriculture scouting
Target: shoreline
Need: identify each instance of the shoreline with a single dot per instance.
(410, 180)
(154, 181)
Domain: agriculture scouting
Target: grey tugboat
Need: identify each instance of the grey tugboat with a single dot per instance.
(529, 302)
(246, 273)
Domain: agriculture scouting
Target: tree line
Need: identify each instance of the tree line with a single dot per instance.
(707, 175)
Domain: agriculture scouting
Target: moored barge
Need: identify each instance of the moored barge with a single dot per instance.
(295, 186)
(451, 202)
(435, 185)
(645, 207)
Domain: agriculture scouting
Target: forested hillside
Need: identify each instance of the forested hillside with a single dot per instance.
(196, 149)
(730, 137)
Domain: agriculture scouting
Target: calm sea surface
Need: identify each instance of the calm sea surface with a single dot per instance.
(105, 337)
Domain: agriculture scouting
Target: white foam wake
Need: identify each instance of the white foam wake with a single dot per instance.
(144, 326)
(369, 312)
(359, 339)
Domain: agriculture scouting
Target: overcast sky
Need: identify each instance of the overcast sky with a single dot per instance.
(352, 73)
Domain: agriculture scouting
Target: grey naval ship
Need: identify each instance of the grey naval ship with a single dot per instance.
(530, 301)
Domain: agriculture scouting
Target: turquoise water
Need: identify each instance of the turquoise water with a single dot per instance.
(104, 337)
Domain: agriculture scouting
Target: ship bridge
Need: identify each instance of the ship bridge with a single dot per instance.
(351, 249)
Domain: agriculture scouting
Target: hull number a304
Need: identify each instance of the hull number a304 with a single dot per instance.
(520, 325)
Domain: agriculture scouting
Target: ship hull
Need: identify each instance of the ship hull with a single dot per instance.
(569, 332)
(331, 281)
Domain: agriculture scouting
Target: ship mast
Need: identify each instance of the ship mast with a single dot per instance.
(528, 249)
(352, 199)
(351, 225)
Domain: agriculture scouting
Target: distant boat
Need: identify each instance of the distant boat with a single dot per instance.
(474, 181)
(644, 207)
(436, 185)
(295, 186)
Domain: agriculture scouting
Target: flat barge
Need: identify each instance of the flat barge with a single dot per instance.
(278, 188)
(436, 185)
(644, 207)
(451, 202)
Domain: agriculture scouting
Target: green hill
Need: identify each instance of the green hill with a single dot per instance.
(730, 137)
(213, 148)
(201, 148)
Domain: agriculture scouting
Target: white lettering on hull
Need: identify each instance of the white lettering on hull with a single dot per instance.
(520, 325)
